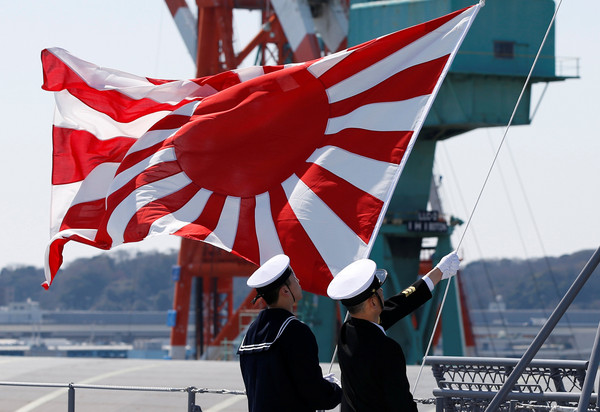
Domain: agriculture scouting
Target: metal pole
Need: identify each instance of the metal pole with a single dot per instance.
(71, 398)
(192, 407)
(199, 317)
(439, 404)
(545, 331)
(590, 376)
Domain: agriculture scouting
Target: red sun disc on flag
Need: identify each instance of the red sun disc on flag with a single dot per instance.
(270, 134)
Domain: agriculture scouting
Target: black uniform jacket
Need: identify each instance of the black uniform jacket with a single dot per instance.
(280, 366)
(373, 365)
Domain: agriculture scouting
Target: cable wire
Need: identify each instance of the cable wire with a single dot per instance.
(539, 239)
(528, 263)
(483, 262)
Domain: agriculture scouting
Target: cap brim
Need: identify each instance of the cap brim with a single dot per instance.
(381, 275)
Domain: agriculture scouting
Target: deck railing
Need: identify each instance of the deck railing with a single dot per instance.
(468, 384)
(190, 390)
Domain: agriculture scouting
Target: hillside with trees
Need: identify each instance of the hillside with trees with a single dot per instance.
(530, 284)
(123, 282)
(115, 281)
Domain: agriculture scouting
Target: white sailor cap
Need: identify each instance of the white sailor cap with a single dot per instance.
(272, 274)
(356, 282)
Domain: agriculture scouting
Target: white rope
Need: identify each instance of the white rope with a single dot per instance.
(485, 183)
(437, 320)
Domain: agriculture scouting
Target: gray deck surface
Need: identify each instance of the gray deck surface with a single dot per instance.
(138, 373)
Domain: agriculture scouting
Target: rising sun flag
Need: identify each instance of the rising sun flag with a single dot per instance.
(300, 159)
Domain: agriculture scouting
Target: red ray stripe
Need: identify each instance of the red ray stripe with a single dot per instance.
(200, 228)
(219, 81)
(271, 69)
(362, 45)
(158, 82)
(306, 261)
(135, 157)
(358, 209)
(87, 215)
(150, 175)
(58, 76)
(371, 52)
(76, 153)
(383, 146)
(172, 121)
(139, 225)
(55, 257)
(419, 80)
(246, 243)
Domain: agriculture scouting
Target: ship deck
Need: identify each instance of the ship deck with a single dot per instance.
(136, 373)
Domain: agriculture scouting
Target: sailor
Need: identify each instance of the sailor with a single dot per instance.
(373, 365)
(279, 354)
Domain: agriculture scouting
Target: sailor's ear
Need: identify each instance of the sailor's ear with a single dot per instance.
(372, 301)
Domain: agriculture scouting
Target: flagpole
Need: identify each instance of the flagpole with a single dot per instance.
(543, 334)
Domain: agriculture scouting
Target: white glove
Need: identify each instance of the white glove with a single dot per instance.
(449, 265)
(330, 377)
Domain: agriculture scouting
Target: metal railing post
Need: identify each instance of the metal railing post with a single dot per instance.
(71, 401)
(192, 407)
(439, 404)
(556, 378)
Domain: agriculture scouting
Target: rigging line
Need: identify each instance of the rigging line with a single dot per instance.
(490, 171)
(540, 240)
(478, 296)
(483, 262)
(520, 234)
(512, 116)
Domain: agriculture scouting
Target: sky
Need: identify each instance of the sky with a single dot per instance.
(541, 198)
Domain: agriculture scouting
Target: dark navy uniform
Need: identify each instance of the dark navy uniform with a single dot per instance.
(373, 365)
(280, 366)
